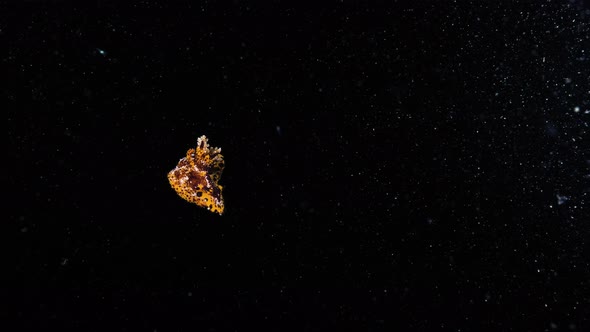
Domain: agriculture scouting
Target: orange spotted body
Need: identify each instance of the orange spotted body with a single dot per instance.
(196, 176)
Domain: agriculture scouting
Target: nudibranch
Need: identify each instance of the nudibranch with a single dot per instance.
(196, 177)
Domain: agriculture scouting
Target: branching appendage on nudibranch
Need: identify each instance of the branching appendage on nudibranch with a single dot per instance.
(196, 177)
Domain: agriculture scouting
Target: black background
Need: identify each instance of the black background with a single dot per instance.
(419, 166)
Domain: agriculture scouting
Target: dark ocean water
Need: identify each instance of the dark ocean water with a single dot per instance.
(422, 167)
